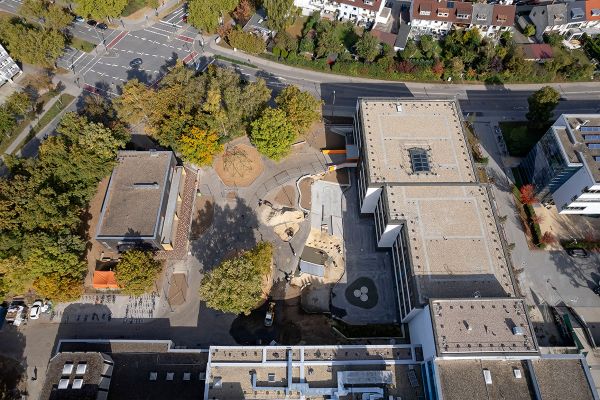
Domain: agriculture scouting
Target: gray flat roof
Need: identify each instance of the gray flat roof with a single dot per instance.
(482, 326)
(135, 194)
(575, 134)
(392, 127)
(441, 219)
(560, 379)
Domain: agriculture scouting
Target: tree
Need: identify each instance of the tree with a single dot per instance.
(18, 104)
(529, 30)
(246, 41)
(134, 104)
(32, 45)
(273, 134)
(367, 47)
(301, 108)
(527, 194)
(547, 238)
(235, 286)
(59, 288)
(205, 14)
(243, 12)
(541, 106)
(137, 271)
(286, 42)
(280, 13)
(100, 9)
(429, 47)
(328, 40)
(7, 122)
(199, 146)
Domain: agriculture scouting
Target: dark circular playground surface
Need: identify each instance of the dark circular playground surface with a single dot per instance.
(362, 293)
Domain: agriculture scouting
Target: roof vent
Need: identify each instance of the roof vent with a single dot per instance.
(142, 185)
(63, 384)
(77, 383)
(467, 325)
(217, 383)
(153, 153)
(517, 330)
(271, 377)
(517, 373)
(81, 368)
(399, 107)
(153, 376)
(187, 376)
(487, 375)
(170, 376)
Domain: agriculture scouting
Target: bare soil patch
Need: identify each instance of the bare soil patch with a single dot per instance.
(286, 196)
(239, 165)
(202, 219)
(305, 192)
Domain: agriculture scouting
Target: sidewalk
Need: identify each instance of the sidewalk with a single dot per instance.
(71, 89)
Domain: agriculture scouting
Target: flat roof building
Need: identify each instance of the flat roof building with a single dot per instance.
(417, 177)
(564, 166)
(142, 201)
(8, 67)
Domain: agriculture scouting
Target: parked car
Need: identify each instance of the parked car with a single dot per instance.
(184, 18)
(102, 26)
(135, 62)
(79, 18)
(35, 310)
(92, 22)
(270, 314)
(578, 253)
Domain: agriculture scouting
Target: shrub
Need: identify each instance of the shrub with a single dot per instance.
(246, 41)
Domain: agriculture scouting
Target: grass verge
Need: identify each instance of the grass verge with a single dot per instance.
(63, 102)
(133, 6)
(82, 45)
(234, 61)
(519, 139)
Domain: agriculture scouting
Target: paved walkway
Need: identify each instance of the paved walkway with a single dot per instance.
(147, 19)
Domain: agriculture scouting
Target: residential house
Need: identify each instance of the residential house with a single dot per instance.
(431, 17)
(361, 12)
(564, 166)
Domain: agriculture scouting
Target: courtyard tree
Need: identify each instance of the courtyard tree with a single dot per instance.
(7, 122)
(273, 134)
(137, 271)
(31, 44)
(541, 106)
(198, 146)
(243, 12)
(235, 285)
(367, 47)
(529, 30)
(18, 104)
(527, 194)
(134, 104)
(301, 108)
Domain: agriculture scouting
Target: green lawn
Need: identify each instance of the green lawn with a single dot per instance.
(82, 45)
(296, 28)
(519, 140)
(133, 6)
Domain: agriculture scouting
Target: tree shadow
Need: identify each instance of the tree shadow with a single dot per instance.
(13, 362)
(234, 227)
(140, 74)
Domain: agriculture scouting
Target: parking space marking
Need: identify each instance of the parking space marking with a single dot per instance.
(175, 15)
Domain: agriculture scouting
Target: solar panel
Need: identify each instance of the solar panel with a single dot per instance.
(450, 4)
(591, 137)
(594, 145)
(590, 129)
(419, 160)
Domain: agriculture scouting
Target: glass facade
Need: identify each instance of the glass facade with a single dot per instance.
(545, 166)
(404, 279)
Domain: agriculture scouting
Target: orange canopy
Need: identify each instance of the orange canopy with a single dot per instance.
(105, 280)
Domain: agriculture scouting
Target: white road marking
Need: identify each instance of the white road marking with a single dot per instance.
(170, 24)
(158, 29)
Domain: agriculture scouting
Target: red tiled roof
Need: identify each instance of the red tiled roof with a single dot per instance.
(361, 4)
(536, 51)
(503, 15)
(384, 37)
(595, 6)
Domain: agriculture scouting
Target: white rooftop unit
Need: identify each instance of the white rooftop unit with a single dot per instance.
(63, 384)
(187, 376)
(487, 375)
(81, 368)
(77, 383)
(67, 369)
(170, 376)
(153, 376)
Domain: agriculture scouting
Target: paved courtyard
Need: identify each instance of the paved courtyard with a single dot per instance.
(363, 262)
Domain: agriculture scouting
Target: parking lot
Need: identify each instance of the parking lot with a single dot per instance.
(143, 54)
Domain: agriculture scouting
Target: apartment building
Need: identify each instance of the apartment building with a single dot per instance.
(571, 19)
(361, 12)
(432, 17)
(564, 166)
(8, 68)
(416, 177)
